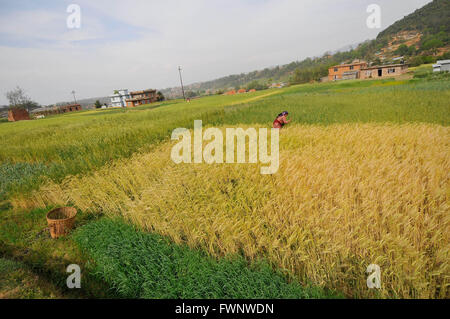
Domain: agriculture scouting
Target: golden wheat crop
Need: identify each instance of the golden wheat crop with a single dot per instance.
(345, 196)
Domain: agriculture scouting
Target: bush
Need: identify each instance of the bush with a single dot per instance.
(402, 50)
(432, 44)
(429, 59)
(255, 85)
(430, 75)
(445, 56)
(191, 94)
(411, 50)
(422, 59)
(160, 97)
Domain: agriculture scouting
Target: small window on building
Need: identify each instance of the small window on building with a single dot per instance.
(335, 69)
(351, 67)
(391, 70)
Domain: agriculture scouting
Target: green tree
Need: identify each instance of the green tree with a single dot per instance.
(432, 44)
(160, 96)
(19, 100)
(376, 61)
(428, 59)
(98, 104)
(256, 85)
(416, 61)
(191, 94)
(411, 50)
(402, 49)
(445, 56)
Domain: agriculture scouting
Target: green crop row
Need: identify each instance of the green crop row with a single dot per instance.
(147, 265)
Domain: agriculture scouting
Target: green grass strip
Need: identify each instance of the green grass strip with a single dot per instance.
(147, 265)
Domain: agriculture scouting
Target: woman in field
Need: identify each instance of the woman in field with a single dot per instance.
(281, 120)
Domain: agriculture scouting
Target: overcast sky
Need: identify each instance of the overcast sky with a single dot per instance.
(139, 44)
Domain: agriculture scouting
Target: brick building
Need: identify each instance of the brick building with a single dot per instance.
(142, 97)
(57, 110)
(346, 71)
(383, 71)
(18, 115)
(69, 108)
(360, 70)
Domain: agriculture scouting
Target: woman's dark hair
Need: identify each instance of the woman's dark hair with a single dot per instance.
(283, 113)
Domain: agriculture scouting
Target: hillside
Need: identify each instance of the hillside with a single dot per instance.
(420, 37)
(429, 18)
(423, 33)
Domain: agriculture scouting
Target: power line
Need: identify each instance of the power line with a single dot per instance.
(181, 80)
(73, 92)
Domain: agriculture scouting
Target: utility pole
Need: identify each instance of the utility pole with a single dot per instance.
(73, 92)
(181, 80)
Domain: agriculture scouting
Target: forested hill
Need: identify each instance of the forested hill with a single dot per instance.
(432, 18)
(421, 37)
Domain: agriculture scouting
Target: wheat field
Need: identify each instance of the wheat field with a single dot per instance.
(345, 196)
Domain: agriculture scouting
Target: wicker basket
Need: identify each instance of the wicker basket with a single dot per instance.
(61, 221)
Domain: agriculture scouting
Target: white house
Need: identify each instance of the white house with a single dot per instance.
(441, 65)
(119, 97)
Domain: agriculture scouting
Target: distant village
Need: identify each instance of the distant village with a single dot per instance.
(387, 63)
(122, 98)
(119, 98)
